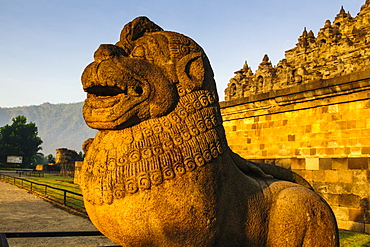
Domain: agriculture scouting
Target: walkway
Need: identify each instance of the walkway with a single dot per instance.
(21, 211)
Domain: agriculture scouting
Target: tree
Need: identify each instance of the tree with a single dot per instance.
(50, 158)
(41, 159)
(20, 138)
(81, 155)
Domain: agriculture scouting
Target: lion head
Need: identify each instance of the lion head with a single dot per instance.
(142, 76)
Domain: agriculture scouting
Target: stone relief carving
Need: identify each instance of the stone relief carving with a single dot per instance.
(159, 171)
(340, 48)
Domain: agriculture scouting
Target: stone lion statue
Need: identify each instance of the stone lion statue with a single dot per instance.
(159, 171)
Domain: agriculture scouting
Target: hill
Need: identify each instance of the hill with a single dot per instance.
(59, 125)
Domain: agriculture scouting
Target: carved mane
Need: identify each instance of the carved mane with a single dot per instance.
(155, 150)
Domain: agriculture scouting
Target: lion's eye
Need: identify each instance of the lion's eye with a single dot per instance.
(138, 52)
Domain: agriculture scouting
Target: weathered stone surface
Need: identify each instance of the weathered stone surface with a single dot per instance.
(340, 48)
(159, 171)
(358, 163)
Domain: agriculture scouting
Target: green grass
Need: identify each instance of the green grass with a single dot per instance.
(61, 183)
(353, 239)
(56, 181)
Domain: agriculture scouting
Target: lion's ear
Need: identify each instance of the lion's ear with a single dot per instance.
(190, 71)
(136, 29)
(86, 145)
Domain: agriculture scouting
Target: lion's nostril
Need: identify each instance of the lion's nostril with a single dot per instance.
(139, 90)
(135, 90)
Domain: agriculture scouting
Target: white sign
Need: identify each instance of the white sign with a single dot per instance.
(14, 159)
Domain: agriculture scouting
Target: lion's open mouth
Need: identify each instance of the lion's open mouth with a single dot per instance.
(112, 102)
(101, 91)
(103, 97)
(107, 96)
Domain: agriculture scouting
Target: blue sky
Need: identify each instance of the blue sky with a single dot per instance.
(45, 44)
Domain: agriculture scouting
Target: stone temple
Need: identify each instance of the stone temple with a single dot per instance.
(311, 113)
(341, 47)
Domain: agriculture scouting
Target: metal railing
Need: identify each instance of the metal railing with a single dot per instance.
(31, 173)
(67, 198)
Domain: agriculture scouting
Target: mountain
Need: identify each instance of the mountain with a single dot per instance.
(59, 125)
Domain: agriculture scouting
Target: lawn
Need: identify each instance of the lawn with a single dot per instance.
(353, 239)
(56, 181)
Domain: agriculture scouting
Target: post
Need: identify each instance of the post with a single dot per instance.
(3, 240)
(65, 198)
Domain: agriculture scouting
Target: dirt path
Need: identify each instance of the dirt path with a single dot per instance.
(24, 212)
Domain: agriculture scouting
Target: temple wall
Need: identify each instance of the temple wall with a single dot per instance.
(320, 130)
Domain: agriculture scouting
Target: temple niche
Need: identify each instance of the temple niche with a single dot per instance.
(341, 47)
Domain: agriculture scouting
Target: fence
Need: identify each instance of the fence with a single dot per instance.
(67, 198)
(31, 173)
